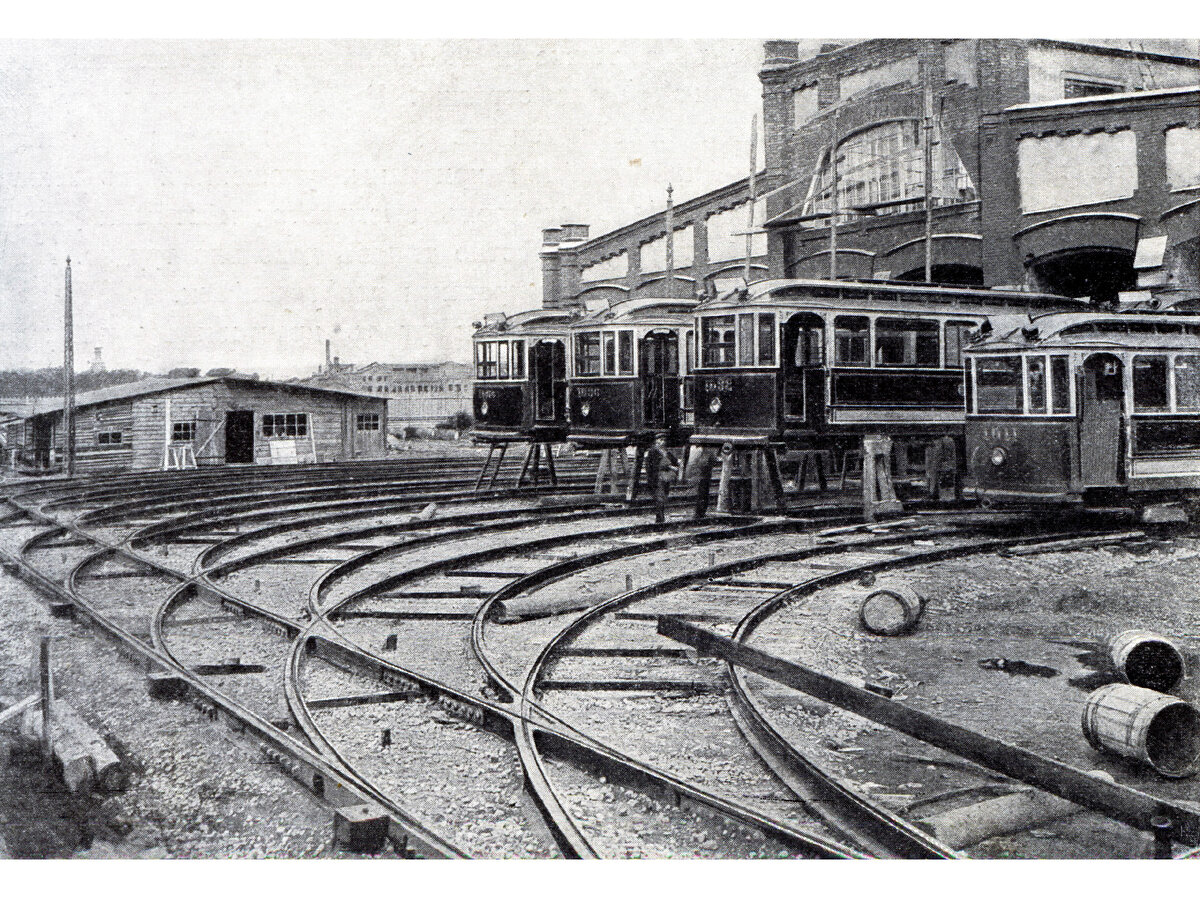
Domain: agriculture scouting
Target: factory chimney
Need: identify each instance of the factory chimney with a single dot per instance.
(327, 359)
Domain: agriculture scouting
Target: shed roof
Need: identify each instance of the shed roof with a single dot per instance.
(148, 386)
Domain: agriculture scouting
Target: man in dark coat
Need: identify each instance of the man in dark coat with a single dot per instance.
(661, 470)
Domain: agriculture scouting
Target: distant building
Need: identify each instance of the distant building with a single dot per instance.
(97, 363)
(218, 421)
(421, 394)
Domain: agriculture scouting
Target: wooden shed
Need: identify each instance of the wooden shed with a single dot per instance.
(231, 420)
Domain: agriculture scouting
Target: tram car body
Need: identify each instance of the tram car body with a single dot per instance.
(520, 390)
(630, 366)
(1088, 407)
(817, 364)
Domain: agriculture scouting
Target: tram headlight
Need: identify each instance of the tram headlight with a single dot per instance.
(483, 408)
(714, 405)
(999, 455)
(585, 409)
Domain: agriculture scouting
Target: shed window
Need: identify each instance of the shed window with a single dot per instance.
(906, 342)
(998, 384)
(625, 352)
(285, 425)
(518, 359)
(587, 353)
(183, 431)
(851, 337)
(958, 334)
(766, 339)
(367, 421)
(1187, 382)
(1150, 382)
(610, 353)
(1035, 374)
(108, 437)
(716, 341)
(1060, 385)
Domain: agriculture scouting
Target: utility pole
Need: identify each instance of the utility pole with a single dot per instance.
(928, 179)
(670, 243)
(68, 381)
(833, 199)
(753, 192)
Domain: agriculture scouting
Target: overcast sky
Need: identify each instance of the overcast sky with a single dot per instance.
(235, 203)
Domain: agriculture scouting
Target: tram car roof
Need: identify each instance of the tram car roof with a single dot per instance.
(1101, 330)
(878, 295)
(536, 321)
(641, 311)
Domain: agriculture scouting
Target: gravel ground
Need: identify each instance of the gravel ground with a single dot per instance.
(194, 791)
(625, 824)
(465, 783)
(249, 640)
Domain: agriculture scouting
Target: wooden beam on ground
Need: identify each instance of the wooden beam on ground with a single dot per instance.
(363, 699)
(1133, 807)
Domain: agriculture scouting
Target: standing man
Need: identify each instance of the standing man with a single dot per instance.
(661, 469)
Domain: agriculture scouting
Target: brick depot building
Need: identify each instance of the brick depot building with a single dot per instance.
(1056, 165)
(227, 420)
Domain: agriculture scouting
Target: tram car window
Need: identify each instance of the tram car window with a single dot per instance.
(1150, 382)
(906, 342)
(1187, 381)
(998, 384)
(852, 340)
(625, 352)
(766, 339)
(587, 353)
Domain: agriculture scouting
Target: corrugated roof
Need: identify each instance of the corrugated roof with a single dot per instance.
(149, 386)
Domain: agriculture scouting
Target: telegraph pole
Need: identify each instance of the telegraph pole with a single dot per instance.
(68, 380)
(670, 243)
(833, 199)
(928, 180)
(753, 191)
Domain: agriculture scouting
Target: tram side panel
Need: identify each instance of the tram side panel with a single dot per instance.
(605, 406)
(1019, 456)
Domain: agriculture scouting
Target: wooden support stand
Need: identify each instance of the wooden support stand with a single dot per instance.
(612, 471)
(488, 470)
(750, 480)
(879, 494)
(538, 453)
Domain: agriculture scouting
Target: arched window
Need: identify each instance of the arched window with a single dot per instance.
(883, 167)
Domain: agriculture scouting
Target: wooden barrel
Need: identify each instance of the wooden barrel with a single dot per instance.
(1147, 660)
(1138, 723)
(891, 610)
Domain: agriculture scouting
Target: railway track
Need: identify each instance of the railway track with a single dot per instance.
(478, 650)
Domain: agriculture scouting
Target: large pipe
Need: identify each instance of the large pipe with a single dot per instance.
(1133, 807)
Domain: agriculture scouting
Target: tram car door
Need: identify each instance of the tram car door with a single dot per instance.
(660, 379)
(1100, 420)
(549, 381)
(804, 370)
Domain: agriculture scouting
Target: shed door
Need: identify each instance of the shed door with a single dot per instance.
(239, 436)
(1100, 421)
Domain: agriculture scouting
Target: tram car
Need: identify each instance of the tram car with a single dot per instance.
(630, 373)
(520, 391)
(815, 364)
(1092, 408)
